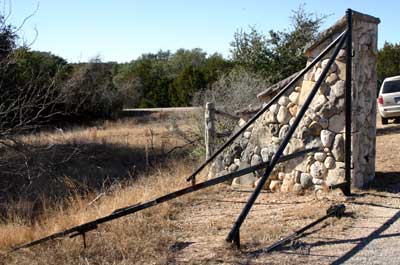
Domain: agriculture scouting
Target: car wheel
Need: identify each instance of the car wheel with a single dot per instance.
(384, 120)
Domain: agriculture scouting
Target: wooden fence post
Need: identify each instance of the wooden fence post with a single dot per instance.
(210, 134)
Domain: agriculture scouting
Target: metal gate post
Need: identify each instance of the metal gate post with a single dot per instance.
(349, 53)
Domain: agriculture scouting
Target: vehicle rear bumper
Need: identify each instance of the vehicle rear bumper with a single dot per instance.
(389, 112)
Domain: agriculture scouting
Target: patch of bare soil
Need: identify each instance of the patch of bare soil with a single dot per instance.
(367, 234)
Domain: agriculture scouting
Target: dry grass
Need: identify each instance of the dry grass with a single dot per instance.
(144, 237)
(119, 159)
(127, 132)
(83, 160)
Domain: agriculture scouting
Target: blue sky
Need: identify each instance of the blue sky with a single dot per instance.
(121, 30)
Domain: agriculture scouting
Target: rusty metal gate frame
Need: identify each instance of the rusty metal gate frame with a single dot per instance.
(346, 36)
(234, 235)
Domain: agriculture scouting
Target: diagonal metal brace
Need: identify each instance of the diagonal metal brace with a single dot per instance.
(333, 211)
(118, 213)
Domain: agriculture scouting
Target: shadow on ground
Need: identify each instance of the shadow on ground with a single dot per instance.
(50, 174)
(364, 241)
(385, 181)
(388, 129)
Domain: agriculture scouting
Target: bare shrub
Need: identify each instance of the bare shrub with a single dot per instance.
(233, 91)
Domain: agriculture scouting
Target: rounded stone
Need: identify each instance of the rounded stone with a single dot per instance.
(337, 123)
(327, 138)
(283, 131)
(294, 97)
(287, 184)
(305, 180)
(298, 189)
(284, 101)
(270, 117)
(274, 129)
(235, 183)
(265, 154)
(247, 135)
(338, 148)
(283, 116)
(274, 108)
(281, 175)
(329, 162)
(242, 122)
(327, 110)
(320, 156)
(255, 160)
(338, 88)
(315, 128)
(335, 176)
(274, 185)
(331, 79)
(318, 102)
(247, 179)
(318, 170)
(244, 142)
(316, 181)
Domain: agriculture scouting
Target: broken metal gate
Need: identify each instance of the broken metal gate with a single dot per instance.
(345, 38)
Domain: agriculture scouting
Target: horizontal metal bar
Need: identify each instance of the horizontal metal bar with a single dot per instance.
(265, 107)
(138, 207)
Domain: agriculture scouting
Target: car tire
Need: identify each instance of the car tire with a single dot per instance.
(384, 120)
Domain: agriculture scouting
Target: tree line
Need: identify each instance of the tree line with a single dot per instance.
(36, 86)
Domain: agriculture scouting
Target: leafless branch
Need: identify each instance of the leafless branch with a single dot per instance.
(26, 18)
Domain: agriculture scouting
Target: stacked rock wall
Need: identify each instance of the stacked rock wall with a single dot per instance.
(323, 124)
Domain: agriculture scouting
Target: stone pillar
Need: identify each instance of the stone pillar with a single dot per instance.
(365, 37)
(324, 122)
(364, 86)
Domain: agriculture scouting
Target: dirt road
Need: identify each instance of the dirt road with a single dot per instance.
(368, 234)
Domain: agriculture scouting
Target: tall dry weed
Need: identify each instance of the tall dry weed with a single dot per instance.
(144, 237)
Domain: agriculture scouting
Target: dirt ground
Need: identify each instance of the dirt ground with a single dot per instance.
(367, 234)
(192, 230)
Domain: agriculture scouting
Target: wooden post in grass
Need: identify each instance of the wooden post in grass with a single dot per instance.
(209, 135)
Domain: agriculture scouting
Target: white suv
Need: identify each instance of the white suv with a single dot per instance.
(389, 99)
